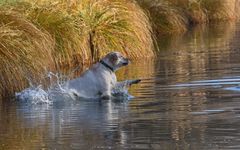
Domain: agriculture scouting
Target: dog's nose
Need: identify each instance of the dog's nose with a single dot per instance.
(126, 62)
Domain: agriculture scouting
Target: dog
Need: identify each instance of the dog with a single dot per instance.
(100, 80)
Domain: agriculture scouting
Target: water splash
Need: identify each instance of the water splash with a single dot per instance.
(58, 90)
(36, 94)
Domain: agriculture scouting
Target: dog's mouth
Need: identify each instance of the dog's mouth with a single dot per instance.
(125, 63)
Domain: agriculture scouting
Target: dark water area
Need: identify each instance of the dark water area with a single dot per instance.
(188, 99)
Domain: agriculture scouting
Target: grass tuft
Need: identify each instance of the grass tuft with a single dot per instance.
(69, 47)
(167, 18)
(122, 26)
(175, 16)
(25, 52)
(220, 10)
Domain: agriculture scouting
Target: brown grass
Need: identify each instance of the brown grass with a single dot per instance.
(70, 48)
(220, 10)
(106, 25)
(175, 16)
(121, 26)
(167, 18)
(25, 52)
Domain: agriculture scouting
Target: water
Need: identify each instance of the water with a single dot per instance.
(189, 98)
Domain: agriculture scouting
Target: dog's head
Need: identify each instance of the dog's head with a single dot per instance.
(115, 60)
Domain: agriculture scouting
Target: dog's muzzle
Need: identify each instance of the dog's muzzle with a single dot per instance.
(126, 62)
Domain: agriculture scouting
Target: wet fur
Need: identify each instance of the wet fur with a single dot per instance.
(99, 81)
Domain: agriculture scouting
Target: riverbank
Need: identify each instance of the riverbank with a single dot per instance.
(42, 36)
(176, 16)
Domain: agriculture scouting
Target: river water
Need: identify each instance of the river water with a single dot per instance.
(188, 99)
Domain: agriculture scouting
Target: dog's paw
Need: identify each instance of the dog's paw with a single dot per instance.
(136, 81)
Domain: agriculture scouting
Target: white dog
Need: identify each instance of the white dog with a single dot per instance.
(100, 80)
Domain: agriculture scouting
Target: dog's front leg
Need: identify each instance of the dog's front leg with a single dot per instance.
(106, 92)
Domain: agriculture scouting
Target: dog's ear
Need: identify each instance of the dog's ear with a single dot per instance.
(113, 58)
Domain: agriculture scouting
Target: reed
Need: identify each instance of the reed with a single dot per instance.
(106, 25)
(115, 25)
(196, 13)
(143, 43)
(25, 52)
(175, 16)
(69, 47)
(100, 25)
(167, 18)
(221, 10)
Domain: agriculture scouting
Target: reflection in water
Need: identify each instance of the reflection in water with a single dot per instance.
(186, 101)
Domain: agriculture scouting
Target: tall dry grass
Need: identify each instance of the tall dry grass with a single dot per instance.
(25, 52)
(175, 16)
(122, 26)
(166, 18)
(106, 25)
(196, 13)
(69, 43)
(192, 9)
(220, 10)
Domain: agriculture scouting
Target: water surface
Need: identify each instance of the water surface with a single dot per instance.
(189, 99)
